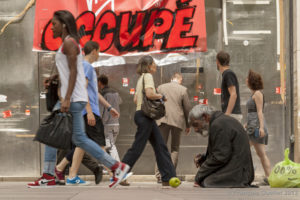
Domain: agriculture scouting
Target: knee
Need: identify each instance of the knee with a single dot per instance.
(78, 141)
(261, 154)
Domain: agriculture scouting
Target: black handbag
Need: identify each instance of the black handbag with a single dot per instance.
(51, 94)
(155, 109)
(56, 130)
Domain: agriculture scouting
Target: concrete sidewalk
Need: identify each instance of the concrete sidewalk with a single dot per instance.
(141, 191)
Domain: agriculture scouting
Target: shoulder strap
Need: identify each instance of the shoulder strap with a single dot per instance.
(143, 90)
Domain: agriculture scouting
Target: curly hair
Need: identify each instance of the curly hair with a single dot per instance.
(255, 81)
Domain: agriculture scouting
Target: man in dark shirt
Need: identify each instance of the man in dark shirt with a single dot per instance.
(230, 93)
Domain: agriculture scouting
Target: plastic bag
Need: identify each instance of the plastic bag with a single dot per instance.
(285, 174)
(56, 130)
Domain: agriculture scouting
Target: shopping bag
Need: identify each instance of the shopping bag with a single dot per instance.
(56, 130)
(285, 174)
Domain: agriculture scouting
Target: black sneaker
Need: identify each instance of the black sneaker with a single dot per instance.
(98, 174)
(266, 181)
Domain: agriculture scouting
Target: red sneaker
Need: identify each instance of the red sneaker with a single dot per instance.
(119, 174)
(45, 181)
(60, 177)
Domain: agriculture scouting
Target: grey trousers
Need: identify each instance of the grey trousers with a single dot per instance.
(111, 132)
(175, 133)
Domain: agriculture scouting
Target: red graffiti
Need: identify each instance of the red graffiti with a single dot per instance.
(128, 32)
(105, 30)
(181, 28)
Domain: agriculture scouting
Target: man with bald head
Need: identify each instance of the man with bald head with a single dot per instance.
(227, 162)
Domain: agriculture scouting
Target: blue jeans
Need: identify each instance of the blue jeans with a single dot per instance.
(49, 160)
(80, 139)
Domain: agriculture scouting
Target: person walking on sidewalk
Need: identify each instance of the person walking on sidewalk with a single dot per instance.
(176, 118)
(256, 123)
(230, 92)
(74, 98)
(93, 123)
(88, 161)
(111, 125)
(147, 128)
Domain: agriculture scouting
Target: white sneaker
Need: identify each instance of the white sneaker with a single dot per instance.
(119, 174)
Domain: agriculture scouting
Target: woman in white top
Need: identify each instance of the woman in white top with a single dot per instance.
(74, 98)
(147, 128)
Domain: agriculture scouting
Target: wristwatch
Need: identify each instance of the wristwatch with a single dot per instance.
(109, 108)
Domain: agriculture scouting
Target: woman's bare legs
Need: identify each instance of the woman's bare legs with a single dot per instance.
(261, 152)
(77, 158)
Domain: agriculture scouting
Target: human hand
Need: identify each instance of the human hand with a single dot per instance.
(198, 160)
(46, 83)
(261, 133)
(65, 105)
(114, 113)
(187, 131)
(91, 119)
(48, 80)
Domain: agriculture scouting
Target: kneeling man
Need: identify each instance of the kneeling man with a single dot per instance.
(228, 162)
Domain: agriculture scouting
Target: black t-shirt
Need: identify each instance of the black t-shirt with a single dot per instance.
(230, 79)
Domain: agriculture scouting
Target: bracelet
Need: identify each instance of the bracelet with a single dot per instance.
(109, 108)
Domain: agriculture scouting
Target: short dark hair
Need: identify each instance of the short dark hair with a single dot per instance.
(65, 17)
(143, 65)
(90, 46)
(103, 79)
(255, 81)
(223, 58)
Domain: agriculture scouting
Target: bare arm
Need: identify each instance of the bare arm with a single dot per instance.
(103, 101)
(71, 51)
(232, 100)
(258, 98)
(135, 99)
(150, 94)
(90, 115)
